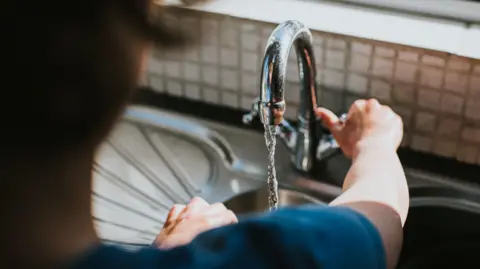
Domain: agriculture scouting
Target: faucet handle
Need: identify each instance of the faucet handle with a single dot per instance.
(327, 146)
(343, 118)
(248, 117)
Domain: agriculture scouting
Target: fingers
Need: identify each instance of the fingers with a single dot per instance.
(175, 211)
(330, 120)
(173, 214)
(221, 215)
(230, 217)
(215, 215)
(216, 209)
(372, 104)
(195, 206)
(390, 112)
(358, 105)
(184, 223)
(213, 221)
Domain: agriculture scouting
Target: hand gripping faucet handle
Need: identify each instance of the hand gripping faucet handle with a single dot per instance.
(328, 146)
(248, 118)
(343, 118)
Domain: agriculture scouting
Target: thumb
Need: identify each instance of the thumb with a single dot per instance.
(329, 119)
(173, 214)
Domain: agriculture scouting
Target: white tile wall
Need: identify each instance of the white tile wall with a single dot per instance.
(436, 94)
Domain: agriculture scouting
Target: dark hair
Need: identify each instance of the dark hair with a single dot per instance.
(70, 67)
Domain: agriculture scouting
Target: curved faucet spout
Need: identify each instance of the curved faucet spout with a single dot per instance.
(306, 141)
(272, 92)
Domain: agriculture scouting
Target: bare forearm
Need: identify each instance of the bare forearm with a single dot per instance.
(376, 175)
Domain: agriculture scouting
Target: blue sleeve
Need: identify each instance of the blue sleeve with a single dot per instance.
(306, 237)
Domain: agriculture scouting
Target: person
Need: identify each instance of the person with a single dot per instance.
(75, 66)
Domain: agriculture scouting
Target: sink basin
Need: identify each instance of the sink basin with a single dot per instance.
(155, 159)
(442, 228)
(440, 237)
(256, 201)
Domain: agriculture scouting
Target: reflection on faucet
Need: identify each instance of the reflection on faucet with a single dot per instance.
(306, 142)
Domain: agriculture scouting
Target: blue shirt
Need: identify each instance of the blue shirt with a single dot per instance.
(303, 237)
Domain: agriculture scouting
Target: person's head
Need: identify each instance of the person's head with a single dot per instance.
(69, 67)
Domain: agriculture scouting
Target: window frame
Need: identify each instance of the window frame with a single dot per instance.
(458, 10)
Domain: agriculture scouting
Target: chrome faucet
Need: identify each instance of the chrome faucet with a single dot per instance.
(307, 142)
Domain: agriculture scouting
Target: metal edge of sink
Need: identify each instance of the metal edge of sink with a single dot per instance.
(433, 190)
(181, 125)
(426, 190)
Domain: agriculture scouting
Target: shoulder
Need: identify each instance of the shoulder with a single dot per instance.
(336, 238)
(302, 237)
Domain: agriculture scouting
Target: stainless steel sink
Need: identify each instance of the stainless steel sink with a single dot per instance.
(256, 201)
(443, 233)
(442, 228)
(155, 159)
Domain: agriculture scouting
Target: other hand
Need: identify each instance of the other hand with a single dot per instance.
(368, 124)
(184, 223)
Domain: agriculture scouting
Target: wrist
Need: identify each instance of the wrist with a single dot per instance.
(375, 145)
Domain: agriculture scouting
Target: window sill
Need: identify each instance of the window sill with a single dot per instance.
(434, 34)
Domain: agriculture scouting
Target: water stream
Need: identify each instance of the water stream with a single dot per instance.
(270, 141)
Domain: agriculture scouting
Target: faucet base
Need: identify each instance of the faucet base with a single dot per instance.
(332, 170)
